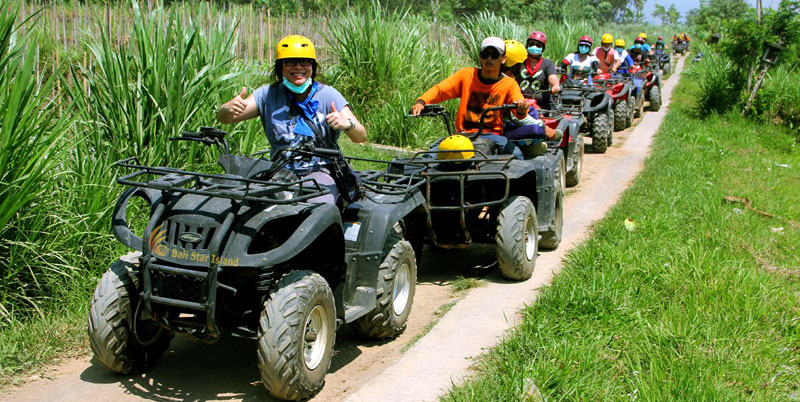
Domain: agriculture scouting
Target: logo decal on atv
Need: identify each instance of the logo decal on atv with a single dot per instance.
(156, 241)
(159, 248)
(191, 237)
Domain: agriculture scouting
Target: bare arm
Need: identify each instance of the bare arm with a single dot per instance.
(238, 109)
(555, 86)
(340, 120)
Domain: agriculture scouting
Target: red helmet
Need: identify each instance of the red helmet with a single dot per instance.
(639, 39)
(660, 37)
(586, 39)
(538, 36)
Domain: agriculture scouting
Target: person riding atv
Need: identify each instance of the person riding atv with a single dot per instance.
(660, 46)
(296, 109)
(581, 65)
(479, 89)
(625, 60)
(607, 56)
(531, 127)
(538, 74)
(638, 52)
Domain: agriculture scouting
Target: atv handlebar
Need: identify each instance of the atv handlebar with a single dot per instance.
(434, 110)
(508, 106)
(207, 136)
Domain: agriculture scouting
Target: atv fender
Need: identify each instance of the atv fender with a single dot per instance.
(368, 223)
(119, 224)
(598, 102)
(321, 218)
(547, 186)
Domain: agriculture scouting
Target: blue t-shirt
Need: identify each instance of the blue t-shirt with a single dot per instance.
(279, 120)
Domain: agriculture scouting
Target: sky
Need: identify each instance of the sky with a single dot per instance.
(685, 5)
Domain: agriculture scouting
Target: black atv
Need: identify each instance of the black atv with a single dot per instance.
(490, 198)
(571, 144)
(597, 108)
(250, 253)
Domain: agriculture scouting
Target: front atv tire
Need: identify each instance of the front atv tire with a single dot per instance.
(620, 116)
(397, 278)
(296, 333)
(600, 129)
(112, 324)
(574, 175)
(517, 239)
(655, 98)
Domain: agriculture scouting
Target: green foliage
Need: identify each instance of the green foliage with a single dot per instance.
(719, 84)
(385, 60)
(699, 303)
(778, 99)
(712, 13)
(32, 147)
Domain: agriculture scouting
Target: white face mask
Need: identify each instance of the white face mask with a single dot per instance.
(606, 48)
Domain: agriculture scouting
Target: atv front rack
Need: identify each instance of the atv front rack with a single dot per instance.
(480, 166)
(219, 185)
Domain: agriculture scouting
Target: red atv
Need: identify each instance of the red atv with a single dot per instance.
(620, 89)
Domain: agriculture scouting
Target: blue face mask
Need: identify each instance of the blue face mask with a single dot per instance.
(583, 49)
(535, 50)
(298, 89)
(619, 49)
(638, 45)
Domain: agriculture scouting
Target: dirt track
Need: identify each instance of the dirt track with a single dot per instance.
(227, 371)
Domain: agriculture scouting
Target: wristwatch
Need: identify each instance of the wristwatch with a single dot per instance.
(352, 124)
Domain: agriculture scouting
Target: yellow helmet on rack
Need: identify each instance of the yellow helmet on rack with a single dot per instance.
(515, 52)
(295, 47)
(455, 147)
(606, 38)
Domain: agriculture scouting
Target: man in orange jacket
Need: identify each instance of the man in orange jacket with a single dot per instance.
(479, 89)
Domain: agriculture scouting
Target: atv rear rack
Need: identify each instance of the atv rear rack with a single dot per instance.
(219, 185)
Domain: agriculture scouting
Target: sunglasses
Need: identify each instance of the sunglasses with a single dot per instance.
(490, 53)
(294, 62)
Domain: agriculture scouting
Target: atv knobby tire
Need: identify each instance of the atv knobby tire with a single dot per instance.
(397, 279)
(665, 69)
(574, 174)
(562, 176)
(639, 104)
(111, 318)
(655, 98)
(600, 130)
(296, 333)
(631, 106)
(517, 239)
(620, 115)
(551, 239)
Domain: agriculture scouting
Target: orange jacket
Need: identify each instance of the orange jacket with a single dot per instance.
(475, 97)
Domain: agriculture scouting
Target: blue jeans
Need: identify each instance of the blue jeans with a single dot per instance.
(505, 146)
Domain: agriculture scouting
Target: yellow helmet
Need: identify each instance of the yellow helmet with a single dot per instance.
(619, 43)
(295, 47)
(455, 147)
(515, 52)
(606, 38)
(643, 35)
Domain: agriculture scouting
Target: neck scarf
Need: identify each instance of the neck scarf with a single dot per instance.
(533, 71)
(308, 108)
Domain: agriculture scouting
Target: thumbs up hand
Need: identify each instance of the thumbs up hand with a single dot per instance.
(336, 120)
(237, 104)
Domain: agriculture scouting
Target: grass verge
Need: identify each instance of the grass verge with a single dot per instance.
(700, 301)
